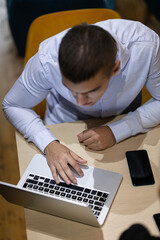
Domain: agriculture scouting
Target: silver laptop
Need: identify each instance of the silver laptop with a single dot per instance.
(87, 202)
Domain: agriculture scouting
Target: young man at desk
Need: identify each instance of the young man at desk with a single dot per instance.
(88, 71)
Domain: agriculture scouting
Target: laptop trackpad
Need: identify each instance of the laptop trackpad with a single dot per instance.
(87, 172)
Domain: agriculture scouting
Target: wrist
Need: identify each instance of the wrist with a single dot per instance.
(52, 145)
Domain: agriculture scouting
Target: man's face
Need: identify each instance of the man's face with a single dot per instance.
(87, 93)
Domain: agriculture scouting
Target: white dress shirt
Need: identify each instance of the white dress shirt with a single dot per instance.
(139, 54)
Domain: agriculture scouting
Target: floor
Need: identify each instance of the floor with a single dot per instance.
(12, 224)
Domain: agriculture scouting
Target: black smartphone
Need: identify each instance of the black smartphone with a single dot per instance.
(139, 168)
(157, 219)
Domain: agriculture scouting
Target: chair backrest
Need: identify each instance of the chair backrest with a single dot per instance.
(48, 25)
(145, 95)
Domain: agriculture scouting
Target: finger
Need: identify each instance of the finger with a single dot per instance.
(54, 173)
(78, 158)
(64, 173)
(68, 175)
(89, 141)
(94, 146)
(76, 166)
(84, 135)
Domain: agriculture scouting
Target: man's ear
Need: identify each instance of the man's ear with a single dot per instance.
(116, 68)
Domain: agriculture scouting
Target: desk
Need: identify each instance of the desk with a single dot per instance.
(131, 204)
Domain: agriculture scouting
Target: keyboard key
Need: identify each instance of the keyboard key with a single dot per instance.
(68, 195)
(102, 199)
(47, 180)
(79, 193)
(51, 191)
(105, 195)
(31, 181)
(79, 198)
(57, 192)
(99, 194)
(73, 192)
(62, 189)
(96, 198)
(46, 190)
(63, 194)
(74, 187)
(35, 187)
(52, 181)
(97, 208)
(94, 192)
(96, 213)
(51, 186)
(74, 197)
(25, 185)
(99, 203)
(36, 177)
(40, 183)
(40, 188)
(45, 184)
(63, 184)
(42, 178)
(31, 175)
(90, 196)
(91, 206)
(68, 190)
(87, 190)
(84, 195)
(85, 200)
(77, 188)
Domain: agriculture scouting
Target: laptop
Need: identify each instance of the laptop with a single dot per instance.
(88, 201)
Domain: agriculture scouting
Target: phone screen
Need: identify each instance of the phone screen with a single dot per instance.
(157, 219)
(139, 168)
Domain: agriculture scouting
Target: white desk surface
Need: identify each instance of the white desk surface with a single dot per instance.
(131, 204)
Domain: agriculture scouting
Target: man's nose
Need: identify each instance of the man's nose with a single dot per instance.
(81, 98)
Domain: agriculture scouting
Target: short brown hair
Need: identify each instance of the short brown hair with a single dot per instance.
(84, 51)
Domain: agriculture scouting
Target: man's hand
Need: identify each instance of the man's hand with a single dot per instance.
(58, 158)
(98, 138)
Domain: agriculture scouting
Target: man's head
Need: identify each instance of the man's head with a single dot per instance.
(87, 58)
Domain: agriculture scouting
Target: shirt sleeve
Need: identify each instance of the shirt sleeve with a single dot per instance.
(29, 90)
(147, 115)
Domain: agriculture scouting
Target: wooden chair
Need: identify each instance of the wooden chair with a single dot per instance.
(48, 25)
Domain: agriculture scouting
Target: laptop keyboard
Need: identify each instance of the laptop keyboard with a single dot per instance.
(93, 198)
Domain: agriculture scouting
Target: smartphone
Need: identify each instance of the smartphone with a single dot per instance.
(139, 168)
(157, 219)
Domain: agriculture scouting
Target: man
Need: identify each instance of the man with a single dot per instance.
(88, 71)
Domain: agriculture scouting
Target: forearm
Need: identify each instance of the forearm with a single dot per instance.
(28, 123)
(139, 121)
(17, 107)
